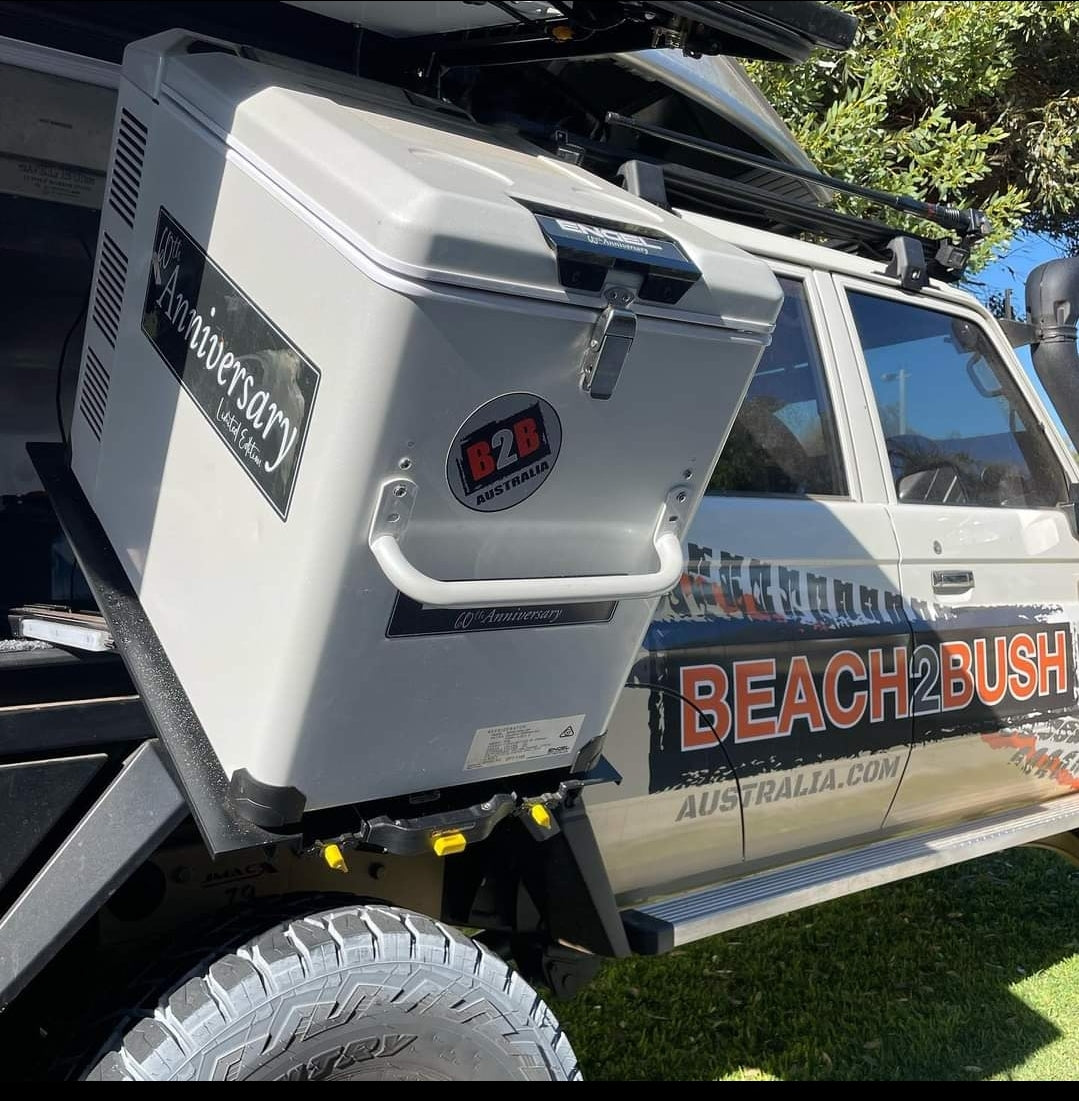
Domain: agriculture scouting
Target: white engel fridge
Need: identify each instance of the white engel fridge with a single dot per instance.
(395, 422)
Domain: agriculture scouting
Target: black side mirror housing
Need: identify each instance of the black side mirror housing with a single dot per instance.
(1052, 309)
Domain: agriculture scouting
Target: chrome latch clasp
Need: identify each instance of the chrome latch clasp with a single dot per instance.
(610, 343)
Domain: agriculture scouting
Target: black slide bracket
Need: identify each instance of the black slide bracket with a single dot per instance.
(189, 754)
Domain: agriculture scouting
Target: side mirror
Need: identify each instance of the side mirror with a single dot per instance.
(1052, 309)
(937, 485)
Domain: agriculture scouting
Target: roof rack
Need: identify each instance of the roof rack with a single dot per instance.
(732, 197)
(969, 222)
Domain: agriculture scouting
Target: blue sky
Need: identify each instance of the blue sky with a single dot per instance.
(1027, 251)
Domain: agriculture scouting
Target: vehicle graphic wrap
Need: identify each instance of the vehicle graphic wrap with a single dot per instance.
(974, 673)
(1032, 710)
(759, 668)
(719, 799)
(1043, 749)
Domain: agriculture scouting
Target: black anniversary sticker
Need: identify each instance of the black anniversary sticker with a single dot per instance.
(249, 380)
(411, 619)
(504, 452)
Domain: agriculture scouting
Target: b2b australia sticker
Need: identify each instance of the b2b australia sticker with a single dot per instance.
(548, 742)
(504, 452)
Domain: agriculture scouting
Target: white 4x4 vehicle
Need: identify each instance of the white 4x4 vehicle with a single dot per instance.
(866, 668)
(876, 629)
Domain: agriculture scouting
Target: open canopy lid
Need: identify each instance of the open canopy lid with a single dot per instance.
(469, 33)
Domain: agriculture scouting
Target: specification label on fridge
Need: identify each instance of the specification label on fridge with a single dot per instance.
(546, 739)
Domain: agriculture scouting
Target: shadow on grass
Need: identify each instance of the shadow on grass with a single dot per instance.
(910, 981)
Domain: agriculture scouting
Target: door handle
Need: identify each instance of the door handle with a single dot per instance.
(953, 581)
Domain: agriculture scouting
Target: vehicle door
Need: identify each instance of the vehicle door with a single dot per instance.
(767, 688)
(989, 562)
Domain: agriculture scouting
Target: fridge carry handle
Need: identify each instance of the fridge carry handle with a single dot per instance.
(389, 524)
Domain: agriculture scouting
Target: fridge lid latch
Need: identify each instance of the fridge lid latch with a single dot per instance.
(609, 345)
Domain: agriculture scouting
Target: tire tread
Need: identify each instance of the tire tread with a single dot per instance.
(464, 979)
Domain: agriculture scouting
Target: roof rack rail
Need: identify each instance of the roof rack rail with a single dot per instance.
(948, 261)
(736, 200)
(969, 222)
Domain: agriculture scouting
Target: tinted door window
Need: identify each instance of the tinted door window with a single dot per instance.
(958, 430)
(783, 441)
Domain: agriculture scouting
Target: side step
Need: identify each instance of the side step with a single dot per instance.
(660, 926)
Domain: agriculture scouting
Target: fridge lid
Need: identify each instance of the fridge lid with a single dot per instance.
(431, 195)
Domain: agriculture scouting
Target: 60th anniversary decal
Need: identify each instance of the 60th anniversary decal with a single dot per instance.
(253, 385)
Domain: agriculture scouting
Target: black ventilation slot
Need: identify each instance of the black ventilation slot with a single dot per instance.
(95, 392)
(109, 296)
(127, 166)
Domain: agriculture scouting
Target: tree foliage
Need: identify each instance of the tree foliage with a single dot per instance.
(972, 102)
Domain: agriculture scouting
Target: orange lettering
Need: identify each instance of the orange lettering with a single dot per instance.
(846, 661)
(706, 716)
(800, 699)
(956, 682)
(748, 698)
(1023, 680)
(991, 696)
(1055, 662)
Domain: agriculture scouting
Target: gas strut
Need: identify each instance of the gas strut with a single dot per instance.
(969, 223)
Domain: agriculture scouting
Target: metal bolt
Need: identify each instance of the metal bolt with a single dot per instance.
(681, 497)
(377, 871)
(392, 518)
(405, 463)
(400, 491)
(687, 475)
(673, 520)
(937, 548)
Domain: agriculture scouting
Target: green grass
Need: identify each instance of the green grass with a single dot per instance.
(969, 973)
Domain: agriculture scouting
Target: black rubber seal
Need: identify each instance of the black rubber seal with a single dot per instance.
(266, 804)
